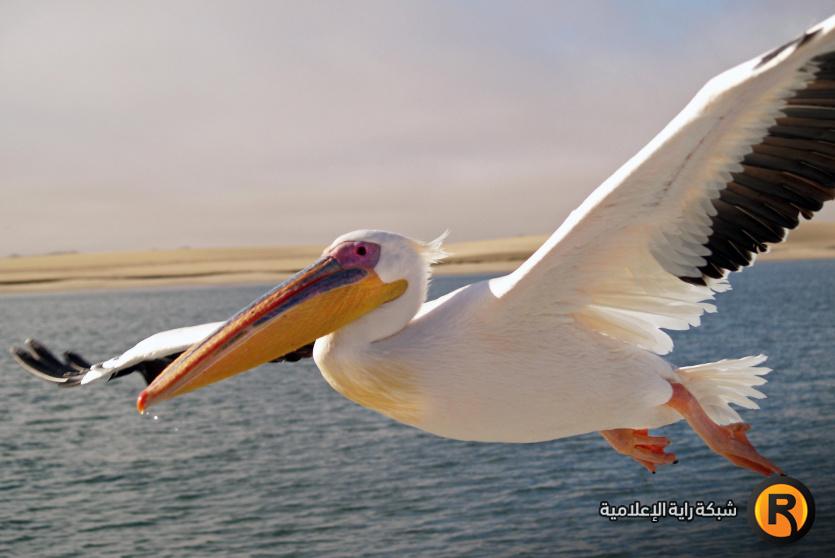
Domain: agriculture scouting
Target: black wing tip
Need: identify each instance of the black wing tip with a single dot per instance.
(19, 355)
(305, 351)
(36, 359)
(796, 43)
(77, 361)
(698, 281)
(786, 177)
(808, 36)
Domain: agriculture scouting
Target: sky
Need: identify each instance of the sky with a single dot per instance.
(136, 125)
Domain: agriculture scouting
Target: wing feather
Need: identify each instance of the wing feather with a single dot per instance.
(149, 357)
(734, 171)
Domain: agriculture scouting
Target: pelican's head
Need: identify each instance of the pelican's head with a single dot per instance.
(374, 280)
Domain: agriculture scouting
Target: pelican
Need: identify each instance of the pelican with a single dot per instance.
(573, 341)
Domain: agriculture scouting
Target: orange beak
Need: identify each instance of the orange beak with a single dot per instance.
(313, 303)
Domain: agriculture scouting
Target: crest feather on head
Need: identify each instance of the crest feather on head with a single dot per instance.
(433, 251)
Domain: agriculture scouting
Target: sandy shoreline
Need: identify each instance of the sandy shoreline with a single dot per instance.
(222, 266)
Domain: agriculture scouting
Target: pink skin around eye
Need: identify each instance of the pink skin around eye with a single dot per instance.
(355, 254)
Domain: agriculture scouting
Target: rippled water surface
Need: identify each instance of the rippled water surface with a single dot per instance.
(274, 462)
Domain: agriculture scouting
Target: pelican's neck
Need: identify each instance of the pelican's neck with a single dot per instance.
(351, 366)
(384, 321)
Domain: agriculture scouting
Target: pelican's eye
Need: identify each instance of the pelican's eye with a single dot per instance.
(357, 253)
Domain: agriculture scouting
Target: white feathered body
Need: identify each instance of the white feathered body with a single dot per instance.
(471, 374)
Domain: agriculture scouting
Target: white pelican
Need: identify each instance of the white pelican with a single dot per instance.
(570, 342)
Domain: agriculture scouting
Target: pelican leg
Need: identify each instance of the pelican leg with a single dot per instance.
(640, 446)
(729, 440)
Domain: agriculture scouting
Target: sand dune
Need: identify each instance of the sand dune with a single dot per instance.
(212, 266)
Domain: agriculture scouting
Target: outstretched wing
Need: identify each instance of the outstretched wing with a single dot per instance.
(38, 360)
(753, 151)
(149, 358)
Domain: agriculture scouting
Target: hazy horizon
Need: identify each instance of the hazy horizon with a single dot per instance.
(132, 126)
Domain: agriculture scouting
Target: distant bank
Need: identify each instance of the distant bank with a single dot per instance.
(217, 266)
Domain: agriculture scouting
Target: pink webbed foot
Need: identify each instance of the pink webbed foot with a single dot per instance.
(640, 446)
(729, 441)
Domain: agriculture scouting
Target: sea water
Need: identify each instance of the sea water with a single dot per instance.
(274, 462)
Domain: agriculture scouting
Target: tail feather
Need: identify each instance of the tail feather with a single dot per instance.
(716, 385)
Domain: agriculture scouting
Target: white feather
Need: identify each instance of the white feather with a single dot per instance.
(158, 345)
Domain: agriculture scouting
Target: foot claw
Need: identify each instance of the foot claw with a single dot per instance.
(640, 446)
(646, 465)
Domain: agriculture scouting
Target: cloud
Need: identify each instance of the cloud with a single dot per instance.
(133, 125)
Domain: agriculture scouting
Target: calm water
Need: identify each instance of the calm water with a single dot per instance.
(275, 462)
